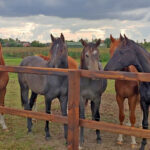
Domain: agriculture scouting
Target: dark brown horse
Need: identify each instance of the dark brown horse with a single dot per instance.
(3, 83)
(125, 89)
(130, 53)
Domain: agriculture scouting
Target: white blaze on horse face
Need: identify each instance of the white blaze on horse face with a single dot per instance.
(95, 52)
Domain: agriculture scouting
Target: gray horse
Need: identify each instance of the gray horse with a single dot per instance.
(51, 86)
(91, 89)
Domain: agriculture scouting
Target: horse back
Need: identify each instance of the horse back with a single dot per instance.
(37, 83)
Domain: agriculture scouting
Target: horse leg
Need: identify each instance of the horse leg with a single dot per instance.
(120, 102)
(63, 104)
(132, 101)
(31, 103)
(2, 98)
(96, 116)
(145, 109)
(82, 116)
(48, 110)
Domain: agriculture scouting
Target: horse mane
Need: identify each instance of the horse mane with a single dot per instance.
(1, 56)
(129, 43)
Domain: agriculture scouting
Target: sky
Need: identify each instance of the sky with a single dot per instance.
(31, 20)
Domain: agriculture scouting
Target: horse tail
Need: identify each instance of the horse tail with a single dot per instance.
(23, 90)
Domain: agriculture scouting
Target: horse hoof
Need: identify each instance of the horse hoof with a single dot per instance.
(47, 138)
(29, 133)
(133, 146)
(99, 141)
(119, 142)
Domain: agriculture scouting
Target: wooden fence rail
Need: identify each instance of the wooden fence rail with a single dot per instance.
(73, 120)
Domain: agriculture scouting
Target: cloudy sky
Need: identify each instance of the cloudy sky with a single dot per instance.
(36, 19)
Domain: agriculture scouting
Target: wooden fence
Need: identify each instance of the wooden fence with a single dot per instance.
(73, 120)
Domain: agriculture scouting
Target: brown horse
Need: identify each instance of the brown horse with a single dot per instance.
(72, 64)
(125, 89)
(3, 83)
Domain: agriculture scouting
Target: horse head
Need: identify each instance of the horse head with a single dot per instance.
(124, 55)
(58, 52)
(90, 55)
(114, 44)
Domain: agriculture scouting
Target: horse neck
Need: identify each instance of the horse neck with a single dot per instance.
(144, 60)
(65, 63)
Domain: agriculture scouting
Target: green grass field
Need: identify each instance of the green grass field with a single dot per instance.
(17, 138)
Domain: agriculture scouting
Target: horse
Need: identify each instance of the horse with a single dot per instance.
(130, 53)
(51, 86)
(90, 89)
(4, 78)
(72, 64)
(125, 89)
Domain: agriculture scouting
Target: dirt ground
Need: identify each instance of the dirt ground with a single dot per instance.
(109, 113)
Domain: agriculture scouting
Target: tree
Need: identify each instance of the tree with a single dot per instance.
(107, 42)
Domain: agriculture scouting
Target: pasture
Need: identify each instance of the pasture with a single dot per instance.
(17, 138)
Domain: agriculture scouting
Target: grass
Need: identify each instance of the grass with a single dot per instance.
(17, 138)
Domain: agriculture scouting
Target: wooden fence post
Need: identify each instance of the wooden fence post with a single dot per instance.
(73, 110)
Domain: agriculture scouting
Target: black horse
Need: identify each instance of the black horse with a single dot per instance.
(131, 53)
(51, 86)
(91, 89)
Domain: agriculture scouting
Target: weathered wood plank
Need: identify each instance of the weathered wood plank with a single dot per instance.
(84, 73)
(73, 110)
(115, 128)
(133, 76)
(36, 115)
(109, 127)
(34, 70)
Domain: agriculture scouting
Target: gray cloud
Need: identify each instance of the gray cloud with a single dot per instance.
(84, 9)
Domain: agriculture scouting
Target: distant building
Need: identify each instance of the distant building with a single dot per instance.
(25, 44)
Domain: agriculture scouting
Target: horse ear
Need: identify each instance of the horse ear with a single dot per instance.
(111, 38)
(84, 43)
(52, 38)
(98, 42)
(126, 39)
(121, 37)
(62, 37)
